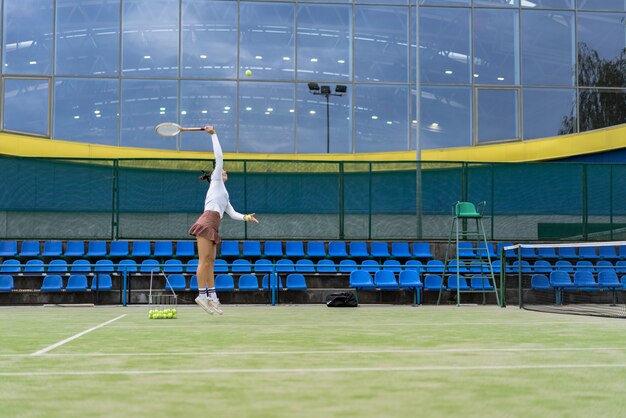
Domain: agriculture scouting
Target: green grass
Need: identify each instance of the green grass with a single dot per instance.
(311, 361)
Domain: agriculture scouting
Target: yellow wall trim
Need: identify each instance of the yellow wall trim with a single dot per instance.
(537, 150)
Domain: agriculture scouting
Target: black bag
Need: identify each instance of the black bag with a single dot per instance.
(341, 300)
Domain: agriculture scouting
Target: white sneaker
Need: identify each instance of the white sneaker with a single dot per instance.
(204, 304)
(215, 305)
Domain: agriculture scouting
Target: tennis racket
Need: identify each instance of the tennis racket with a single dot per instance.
(172, 129)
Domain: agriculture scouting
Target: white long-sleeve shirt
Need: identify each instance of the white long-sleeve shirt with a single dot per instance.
(217, 196)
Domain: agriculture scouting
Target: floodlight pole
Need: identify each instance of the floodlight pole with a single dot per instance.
(325, 91)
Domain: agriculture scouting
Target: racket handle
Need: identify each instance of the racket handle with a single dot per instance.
(192, 129)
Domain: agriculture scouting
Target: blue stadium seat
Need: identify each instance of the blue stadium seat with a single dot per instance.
(193, 283)
(358, 249)
(294, 249)
(542, 267)
(74, 249)
(347, 266)
(220, 266)
(422, 250)
(525, 267)
(150, 266)
(229, 249)
(33, 267)
(141, 249)
(185, 249)
(96, 249)
(326, 267)
(80, 266)
(433, 282)
(409, 279)
(337, 249)
(192, 266)
(130, 266)
(604, 265)
(102, 282)
(392, 265)
(480, 282)
(241, 266)
(456, 281)
(273, 249)
(620, 267)
(564, 265)
(379, 249)
(621, 252)
(296, 281)
(248, 283)
(76, 283)
(400, 250)
(461, 267)
(585, 279)
(305, 266)
(361, 279)
(567, 252)
(163, 249)
(104, 266)
(584, 265)
(560, 279)
(434, 266)
(540, 282)
(588, 253)
(415, 265)
(607, 253)
(173, 266)
(52, 283)
(466, 250)
(385, 280)
(609, 280)
(251, 249)
(507, 253)
(52, 249)
(175, 282)
(482, 251)
(274, 279)
(8, 248)
(528, 253)
(285, 266)
(10, 266)
(57, 266)
(315, 249)
(547, 253)
(223, 283)
(263, 265)
(6, 283)
(30, 249)
(496, 266)
(370, 266)
(119, 249)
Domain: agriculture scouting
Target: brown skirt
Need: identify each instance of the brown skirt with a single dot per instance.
(207, 226)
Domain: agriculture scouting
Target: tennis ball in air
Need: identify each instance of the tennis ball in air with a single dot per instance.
(248, 73)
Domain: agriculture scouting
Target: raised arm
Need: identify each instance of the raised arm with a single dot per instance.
(217, 151)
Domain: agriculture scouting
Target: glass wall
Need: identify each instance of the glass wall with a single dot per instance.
(107, 71)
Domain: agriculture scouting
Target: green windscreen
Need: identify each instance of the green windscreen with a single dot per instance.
(152, 199)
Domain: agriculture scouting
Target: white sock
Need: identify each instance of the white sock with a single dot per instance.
(211, 293)
(203, 295)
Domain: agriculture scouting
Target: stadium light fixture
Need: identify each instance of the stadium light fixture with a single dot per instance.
(340, 90)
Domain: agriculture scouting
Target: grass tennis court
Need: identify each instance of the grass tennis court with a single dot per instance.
(310, 361)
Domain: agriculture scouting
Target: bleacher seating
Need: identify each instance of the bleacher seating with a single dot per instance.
(230, 249)
(305, 266)
(361, 279)
(315, 249)
(74, 249)
(294, 249)
(175, 282)
(101, 282)
(185, 249)
(223, 283)
(296, 281)
(248, 282)
(52, 249)
(273, 249)
(76, 283)
(6, 283)
(119, 249)
(385, 280)
(358, 249)
(379, 249)
(400, 250)
(96, 249)
(10, 266)
(8, 248)
(337, 249)
(52, 283)
(163, 249)
(30, 249)
(251, 249)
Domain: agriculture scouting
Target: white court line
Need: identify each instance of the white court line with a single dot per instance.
(73, 337)
(333, 352)
(320, 370)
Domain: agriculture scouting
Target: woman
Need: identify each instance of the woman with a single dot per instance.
(207, 226)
